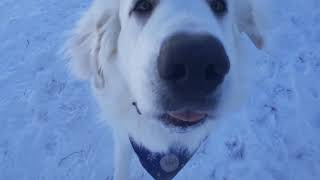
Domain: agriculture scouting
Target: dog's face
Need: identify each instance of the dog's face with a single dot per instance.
(177, 61)
(175, 58)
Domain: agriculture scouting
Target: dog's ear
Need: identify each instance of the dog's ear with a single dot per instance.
(93, 41)
(250, 19)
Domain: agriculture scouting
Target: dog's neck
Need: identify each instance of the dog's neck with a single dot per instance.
(162, 166)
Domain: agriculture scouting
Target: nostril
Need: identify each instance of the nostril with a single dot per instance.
(210, 73)
(176, 72)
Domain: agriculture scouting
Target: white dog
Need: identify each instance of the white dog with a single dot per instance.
(164, 72)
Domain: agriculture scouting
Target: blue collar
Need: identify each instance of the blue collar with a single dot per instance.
(162, 166)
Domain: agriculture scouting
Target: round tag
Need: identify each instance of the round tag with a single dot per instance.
(169, 163)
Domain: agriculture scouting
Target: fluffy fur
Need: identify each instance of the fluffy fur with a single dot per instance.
(117, 53)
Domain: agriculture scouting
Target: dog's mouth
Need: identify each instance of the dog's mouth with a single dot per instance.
(184, 119)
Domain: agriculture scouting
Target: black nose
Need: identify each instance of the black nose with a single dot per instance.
(192, 65)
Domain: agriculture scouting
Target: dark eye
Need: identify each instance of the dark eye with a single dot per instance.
(219, 6)
(143, 7)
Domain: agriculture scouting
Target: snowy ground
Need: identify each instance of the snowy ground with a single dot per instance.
(49, 129)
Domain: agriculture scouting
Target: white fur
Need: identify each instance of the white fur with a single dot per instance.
(117, 53)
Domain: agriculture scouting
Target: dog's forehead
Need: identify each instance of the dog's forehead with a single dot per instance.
(130, 3)
(171, 16)
(191, 7)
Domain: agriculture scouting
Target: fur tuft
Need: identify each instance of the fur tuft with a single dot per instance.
(251, 20)
(84, 46)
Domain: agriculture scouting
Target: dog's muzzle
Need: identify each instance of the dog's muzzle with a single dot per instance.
(191, 67)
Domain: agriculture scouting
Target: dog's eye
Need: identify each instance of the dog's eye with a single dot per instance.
(219, 6)
(143, 7)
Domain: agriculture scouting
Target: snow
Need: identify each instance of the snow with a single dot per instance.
(49, 128)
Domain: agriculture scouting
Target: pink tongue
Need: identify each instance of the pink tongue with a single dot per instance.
(188, 116)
